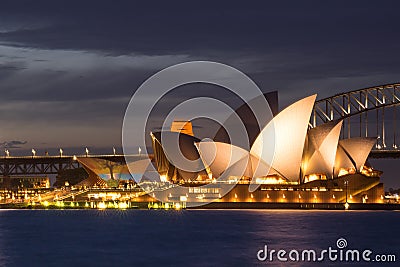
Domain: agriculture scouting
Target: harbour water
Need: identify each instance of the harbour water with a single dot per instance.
(186, 237)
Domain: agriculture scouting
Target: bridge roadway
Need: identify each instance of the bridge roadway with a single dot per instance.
(381, 154)
(45, 165)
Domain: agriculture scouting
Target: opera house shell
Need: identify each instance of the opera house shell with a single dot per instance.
(288, 161)
(102, 171)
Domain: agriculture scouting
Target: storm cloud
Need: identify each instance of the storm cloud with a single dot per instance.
(69, 68)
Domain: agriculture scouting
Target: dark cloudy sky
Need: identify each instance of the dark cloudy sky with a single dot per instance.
(69, 68)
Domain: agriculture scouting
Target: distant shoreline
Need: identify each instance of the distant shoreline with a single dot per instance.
(211, 206)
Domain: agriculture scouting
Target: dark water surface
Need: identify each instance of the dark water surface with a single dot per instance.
(185, 238)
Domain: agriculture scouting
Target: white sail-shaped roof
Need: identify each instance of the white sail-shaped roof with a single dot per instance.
(342, 160)
(283, 138)
(219, 156)
(231, 160)
(320, 152)
(249, 166)
(356, 150)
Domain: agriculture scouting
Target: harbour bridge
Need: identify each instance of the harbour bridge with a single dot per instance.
(45, 165)
(368, 112)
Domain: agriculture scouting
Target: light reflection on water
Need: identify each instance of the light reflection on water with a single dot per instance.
(182, 238)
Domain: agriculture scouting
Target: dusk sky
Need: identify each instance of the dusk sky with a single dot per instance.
(69, 68)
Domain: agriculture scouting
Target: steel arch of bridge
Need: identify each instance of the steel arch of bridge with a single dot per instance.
(360, 103)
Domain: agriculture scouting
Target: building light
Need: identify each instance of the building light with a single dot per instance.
(163, 178)
(270, 180)
(235, 195)
(342, 172)
(251, 196)
(333, 196)
(102, 205)
(283, 196)
(311, 177)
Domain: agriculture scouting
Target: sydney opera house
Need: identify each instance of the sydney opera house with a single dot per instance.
(287, 161)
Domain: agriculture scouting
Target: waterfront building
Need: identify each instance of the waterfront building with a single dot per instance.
(25, 182)
(288, 161)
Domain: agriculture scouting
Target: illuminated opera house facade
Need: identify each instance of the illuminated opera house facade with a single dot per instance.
(309, 165)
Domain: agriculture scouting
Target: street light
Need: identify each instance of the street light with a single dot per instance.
(61, 152)
(140, 151)
(346, 204)
(87, 151)
(114, 150)
(7, 152)
(378, 146)
(33, 152)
